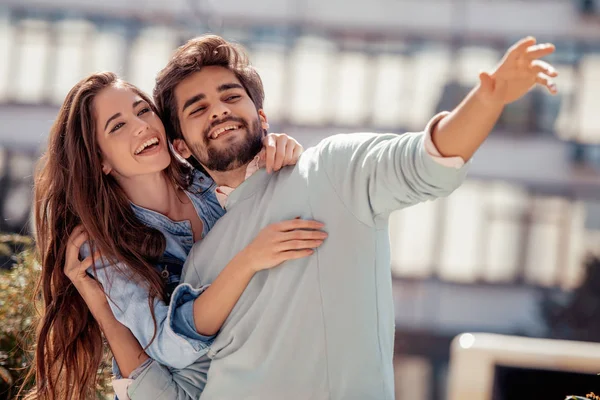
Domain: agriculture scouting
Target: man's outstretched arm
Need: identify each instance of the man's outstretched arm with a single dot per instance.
(374, 175)
(468, 125)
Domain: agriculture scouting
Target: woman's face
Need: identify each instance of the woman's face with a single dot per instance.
(130, 135)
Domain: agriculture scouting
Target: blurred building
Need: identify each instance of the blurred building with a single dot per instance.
(477, 261)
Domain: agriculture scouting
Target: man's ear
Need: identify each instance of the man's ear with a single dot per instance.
(263, 119)
(182, 148)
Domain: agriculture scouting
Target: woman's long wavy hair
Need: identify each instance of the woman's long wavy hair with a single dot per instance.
(71, 189)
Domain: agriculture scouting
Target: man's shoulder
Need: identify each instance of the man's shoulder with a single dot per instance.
(347, 138)
(344, 143)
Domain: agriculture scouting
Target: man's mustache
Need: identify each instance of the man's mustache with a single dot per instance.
(223, 120)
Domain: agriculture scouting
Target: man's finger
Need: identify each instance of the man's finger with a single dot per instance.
(539, 66)
(487, 83)
(539, 50)
(519, 48)
(546, 81)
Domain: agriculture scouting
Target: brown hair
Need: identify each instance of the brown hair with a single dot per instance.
(203, 51)
(71, 189)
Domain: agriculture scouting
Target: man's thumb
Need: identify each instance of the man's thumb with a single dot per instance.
(487, 82)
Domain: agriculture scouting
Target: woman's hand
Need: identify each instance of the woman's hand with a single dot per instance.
(279, 151)
(283, 241)
(75, 269)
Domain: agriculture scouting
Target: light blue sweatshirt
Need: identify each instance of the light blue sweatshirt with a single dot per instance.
(321, 327)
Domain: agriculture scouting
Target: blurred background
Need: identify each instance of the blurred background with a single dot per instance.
(511, 252)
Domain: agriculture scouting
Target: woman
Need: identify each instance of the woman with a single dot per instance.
(109, 178)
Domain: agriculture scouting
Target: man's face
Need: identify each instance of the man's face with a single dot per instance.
(220, 124)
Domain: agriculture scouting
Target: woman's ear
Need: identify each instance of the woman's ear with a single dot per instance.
(106, 168)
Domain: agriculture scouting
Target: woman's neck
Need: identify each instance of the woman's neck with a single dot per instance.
(154, 192)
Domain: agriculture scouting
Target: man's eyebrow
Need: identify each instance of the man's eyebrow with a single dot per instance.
(193, 100)
(227, 86)
(201, 96)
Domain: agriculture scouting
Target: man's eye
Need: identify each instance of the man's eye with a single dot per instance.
(197, 110)
(117, 127)
(233, 97)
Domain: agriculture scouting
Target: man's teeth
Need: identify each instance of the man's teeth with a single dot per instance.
(216, 133)
(147, 143)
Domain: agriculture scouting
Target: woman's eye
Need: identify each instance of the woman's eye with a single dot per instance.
(144, 111)
(117, 127)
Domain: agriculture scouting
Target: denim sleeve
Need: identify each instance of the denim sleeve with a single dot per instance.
(183, 316)
(129, 303)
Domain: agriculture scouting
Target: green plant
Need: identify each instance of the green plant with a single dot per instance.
(17, 285)
(18, 315)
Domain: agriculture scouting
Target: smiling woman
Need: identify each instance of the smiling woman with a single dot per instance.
(128, 131)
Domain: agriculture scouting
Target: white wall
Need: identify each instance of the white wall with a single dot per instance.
(514, 17)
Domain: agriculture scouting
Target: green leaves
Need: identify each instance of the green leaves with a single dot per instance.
(18, 314)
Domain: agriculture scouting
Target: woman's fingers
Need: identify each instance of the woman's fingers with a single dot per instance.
(270, 150)
(293, 255)
(301, 234)
(298, 245)
(280, 151)
(76, 240)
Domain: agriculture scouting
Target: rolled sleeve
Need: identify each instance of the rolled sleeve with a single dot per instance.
(182, 315)
(456, 162)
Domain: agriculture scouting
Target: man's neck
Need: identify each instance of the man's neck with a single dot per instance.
(232, 178)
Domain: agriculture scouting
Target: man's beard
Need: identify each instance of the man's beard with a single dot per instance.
(237, 154)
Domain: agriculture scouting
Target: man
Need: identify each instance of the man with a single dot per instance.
(321, 327)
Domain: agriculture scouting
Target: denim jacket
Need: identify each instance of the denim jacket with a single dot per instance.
(176, 344)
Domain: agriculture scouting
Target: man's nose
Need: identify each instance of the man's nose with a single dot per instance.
(219, 112)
